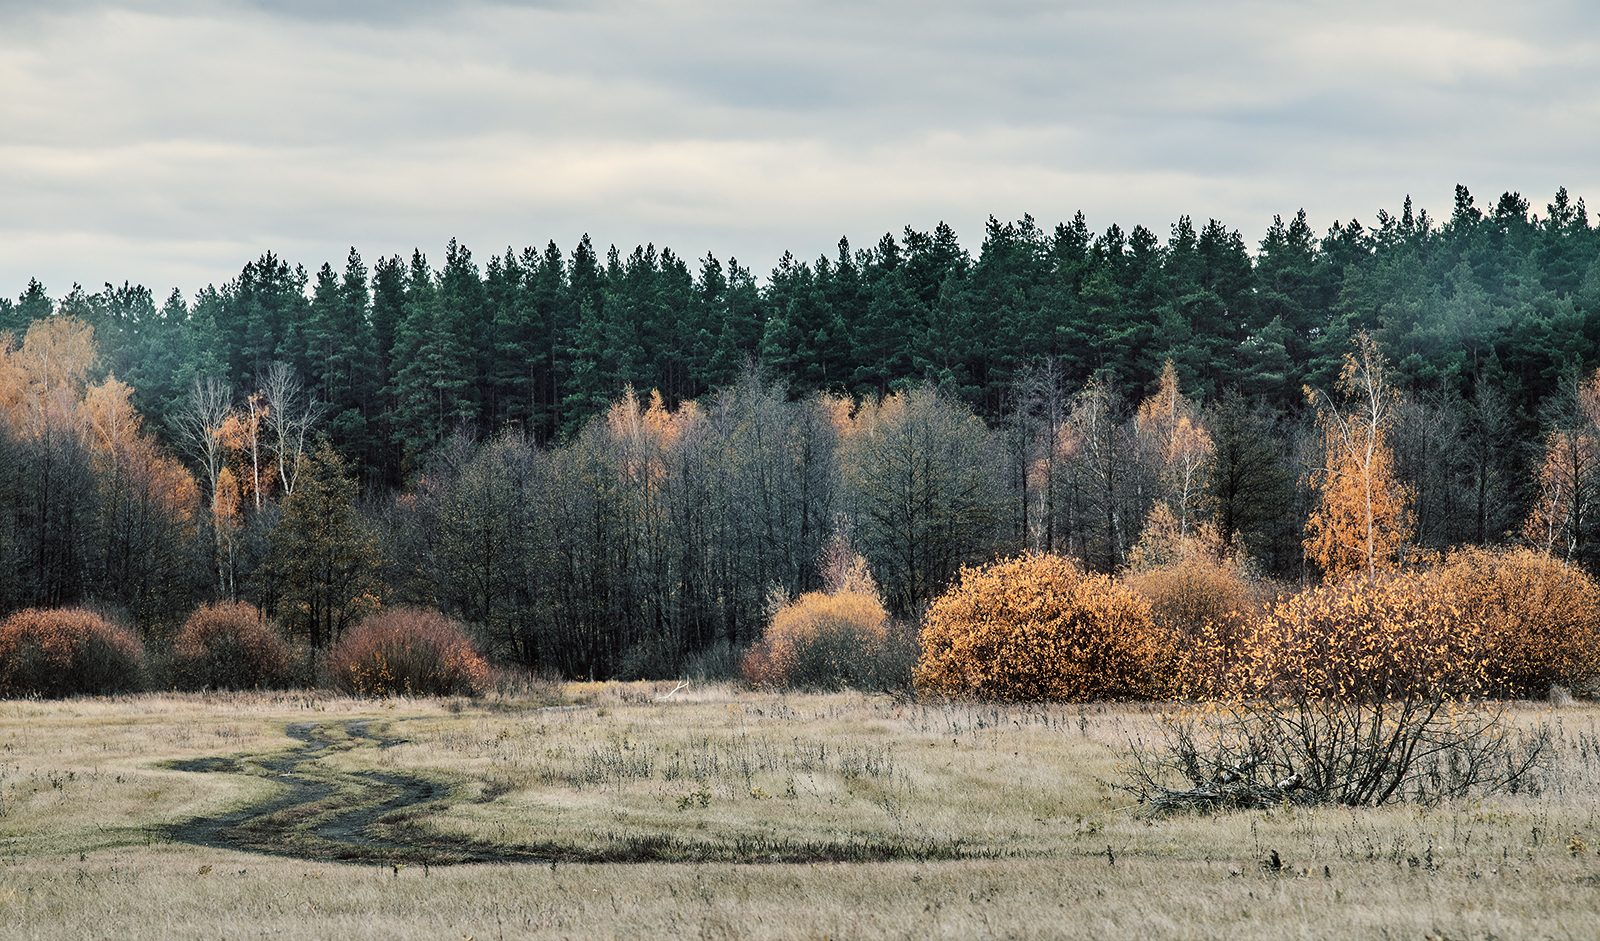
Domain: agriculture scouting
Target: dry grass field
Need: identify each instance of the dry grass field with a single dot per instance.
(724, 813)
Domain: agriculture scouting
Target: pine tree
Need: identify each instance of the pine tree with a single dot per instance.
(321, 574)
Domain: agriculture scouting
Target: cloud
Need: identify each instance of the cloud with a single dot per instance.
(157, 141)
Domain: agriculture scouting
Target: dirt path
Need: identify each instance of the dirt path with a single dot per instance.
(324, 813)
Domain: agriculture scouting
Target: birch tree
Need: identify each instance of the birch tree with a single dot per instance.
(290, 415)
(1362, 524)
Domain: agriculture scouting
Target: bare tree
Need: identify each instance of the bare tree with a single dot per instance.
(1040, 422)
(291, 412)
(199, 422)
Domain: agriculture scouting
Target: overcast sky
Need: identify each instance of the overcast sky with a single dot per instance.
(168, 142)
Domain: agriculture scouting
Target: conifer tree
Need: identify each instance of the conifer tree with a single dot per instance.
(321, 574)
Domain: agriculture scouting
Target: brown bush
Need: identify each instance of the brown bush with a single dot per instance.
(230, 645)
(1399, 636)
(67, 652)
(411, 651)
(1203, 606)
(1539, 616)
(828, 641)
(1039, 627)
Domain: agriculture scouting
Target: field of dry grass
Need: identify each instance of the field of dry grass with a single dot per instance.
(886, 818)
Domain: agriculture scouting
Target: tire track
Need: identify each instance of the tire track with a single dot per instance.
(326, 814)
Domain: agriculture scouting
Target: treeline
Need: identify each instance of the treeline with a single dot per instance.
(1063, 392)
(405, 352)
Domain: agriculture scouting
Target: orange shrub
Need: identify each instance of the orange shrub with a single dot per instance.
(1038, 627)
(230, 645)
(1392, 637)
(413, 651)
(1540, 617)
(1203, 606)
(67, 652)
(825, 641)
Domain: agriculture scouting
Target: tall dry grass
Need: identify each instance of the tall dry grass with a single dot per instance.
(1022, 783)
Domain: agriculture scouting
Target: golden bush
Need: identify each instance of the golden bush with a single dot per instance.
(1203, 606)
(823, 640)
(1038, 627)
(410, 651)
(1397, 636)
(1539, 616)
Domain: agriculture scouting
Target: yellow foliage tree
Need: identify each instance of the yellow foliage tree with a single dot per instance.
(1361, 524)
(1175, 443)
(241, 433)
(1562, 521)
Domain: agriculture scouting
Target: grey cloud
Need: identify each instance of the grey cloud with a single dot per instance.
(748, 128)
(390, 12)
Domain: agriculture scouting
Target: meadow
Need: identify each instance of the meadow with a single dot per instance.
(647, 810)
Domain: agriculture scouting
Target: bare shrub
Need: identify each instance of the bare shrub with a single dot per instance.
(1359, 693)
(1039, 628)
(68, 652)
(827, 641)
(1324, 751)
(230, 645)
(410, 651)
(1539, 617)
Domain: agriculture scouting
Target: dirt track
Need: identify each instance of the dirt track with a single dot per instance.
(324, 813)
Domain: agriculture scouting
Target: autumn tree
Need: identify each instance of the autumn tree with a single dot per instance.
(1175, 443)
(90, 506)
(243, 433)
(321, 574)
(148, 504)
(1361, 525)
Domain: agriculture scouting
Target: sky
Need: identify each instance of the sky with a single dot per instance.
(168, 142)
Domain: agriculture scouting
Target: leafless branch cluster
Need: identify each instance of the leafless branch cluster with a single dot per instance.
(1316, 751)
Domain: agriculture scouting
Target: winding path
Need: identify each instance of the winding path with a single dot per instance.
(325, 813)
